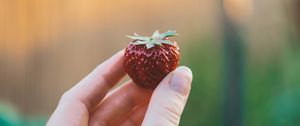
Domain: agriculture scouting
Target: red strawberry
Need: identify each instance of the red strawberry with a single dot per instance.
(147, 60)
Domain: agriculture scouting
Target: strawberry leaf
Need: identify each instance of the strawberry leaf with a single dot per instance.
(149, 45)
(156, 42)
(166, 42)
(138, 37)
(169, 34)
(139, 42)
(155, 34)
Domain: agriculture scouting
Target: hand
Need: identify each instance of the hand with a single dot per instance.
(91, 103)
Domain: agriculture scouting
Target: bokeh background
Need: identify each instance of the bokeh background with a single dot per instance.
(245, 54)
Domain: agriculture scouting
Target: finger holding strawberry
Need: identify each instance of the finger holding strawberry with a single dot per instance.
(148, 61)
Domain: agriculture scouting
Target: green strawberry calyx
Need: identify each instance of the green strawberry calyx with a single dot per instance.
(155, 39)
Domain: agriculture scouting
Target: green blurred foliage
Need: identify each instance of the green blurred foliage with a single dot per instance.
(271, 91)
(204, 106)
(9, 116)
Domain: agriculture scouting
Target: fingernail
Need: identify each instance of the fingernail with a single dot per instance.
(181, 80)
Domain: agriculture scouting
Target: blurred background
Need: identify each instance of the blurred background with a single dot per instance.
(245, 54)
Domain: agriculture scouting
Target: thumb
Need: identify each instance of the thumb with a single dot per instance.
(169, 98)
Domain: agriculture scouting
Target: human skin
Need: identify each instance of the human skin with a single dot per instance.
(91, 102)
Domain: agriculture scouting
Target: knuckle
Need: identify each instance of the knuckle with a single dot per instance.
(100, 123)
(174, 108)
(106, 80)
(173, 111)
(66, 97)
(132, 122)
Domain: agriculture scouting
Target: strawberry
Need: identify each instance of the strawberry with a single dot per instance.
(147, 60)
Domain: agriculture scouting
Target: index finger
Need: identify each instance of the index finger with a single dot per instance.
(92, 89)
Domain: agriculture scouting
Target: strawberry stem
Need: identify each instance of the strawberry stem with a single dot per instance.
(155, 39)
